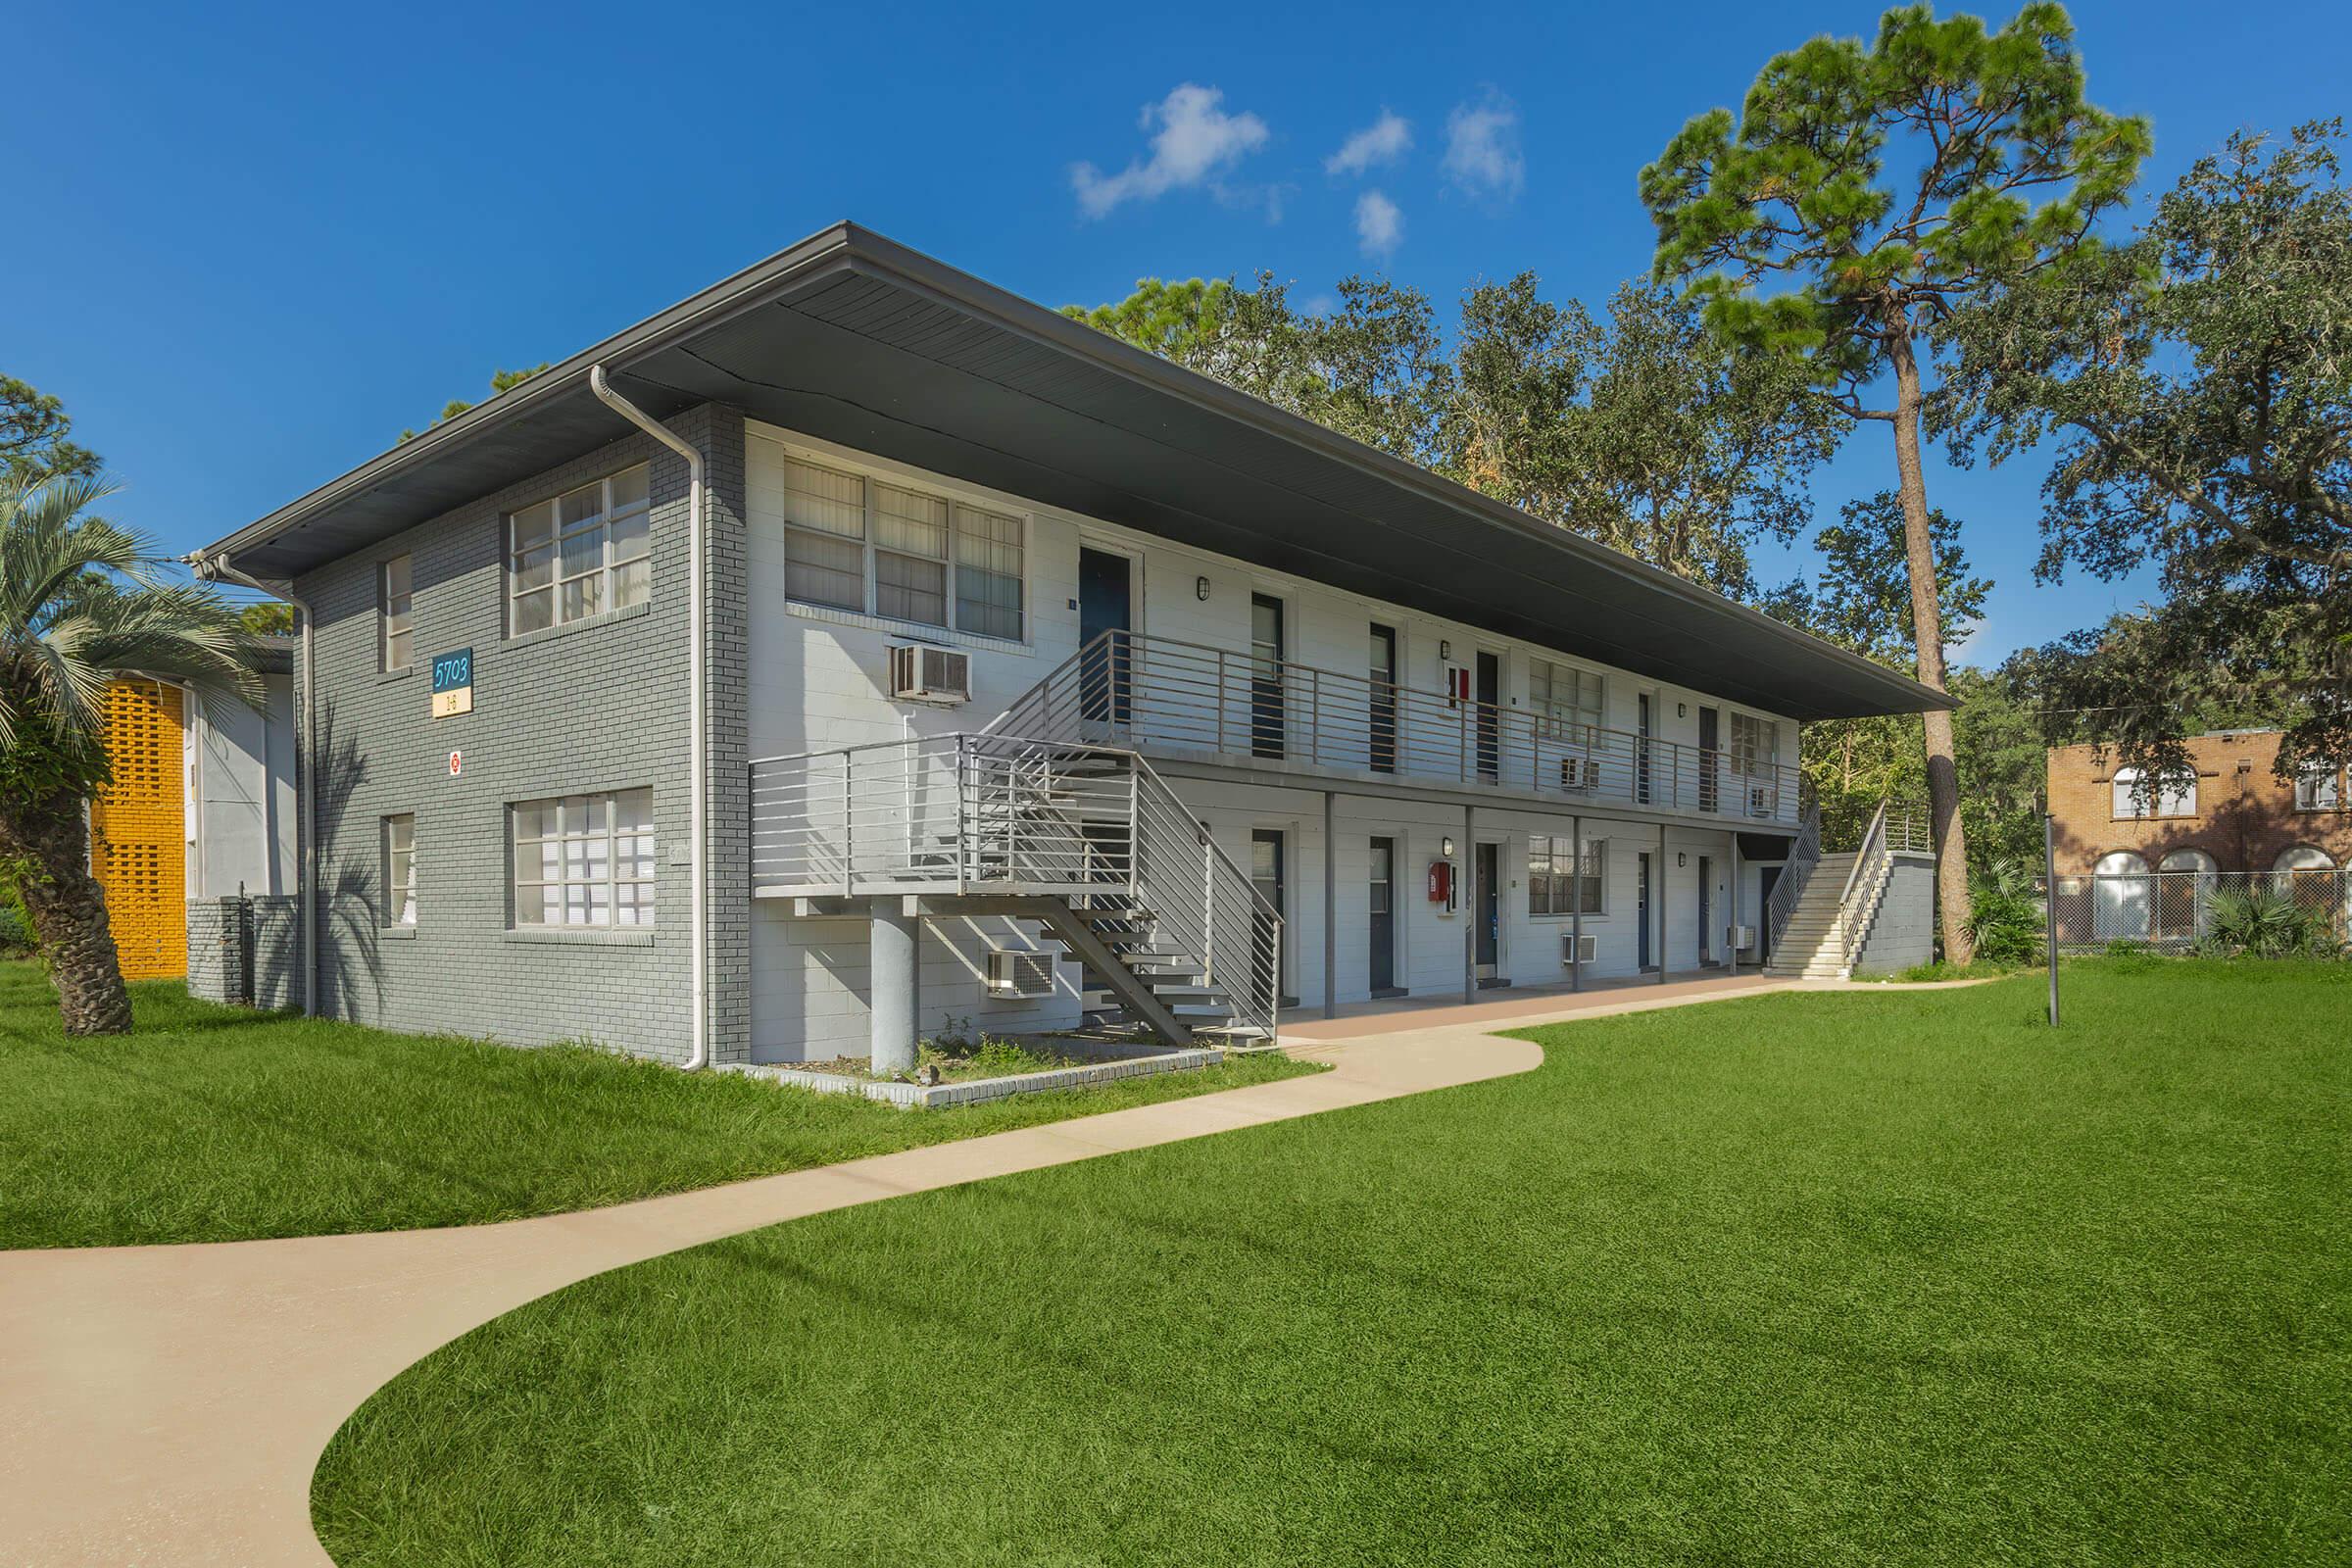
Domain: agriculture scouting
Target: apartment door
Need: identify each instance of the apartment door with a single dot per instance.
(1269, 875)
(1642, 733)
(1706, 909)
(1382, 902)
(1382, 674)
(1490, 715)
(1106, 610)
(1710, 761)
(1488, 903)
(1267, 719)
(1641, 874)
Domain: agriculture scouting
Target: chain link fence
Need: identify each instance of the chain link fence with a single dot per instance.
(2177, 910)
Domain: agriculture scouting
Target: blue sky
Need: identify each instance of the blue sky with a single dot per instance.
(255, 242)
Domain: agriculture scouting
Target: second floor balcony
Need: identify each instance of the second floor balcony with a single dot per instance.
(1174, 699)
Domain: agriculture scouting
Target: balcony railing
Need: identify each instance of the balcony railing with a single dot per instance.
(1157, 695)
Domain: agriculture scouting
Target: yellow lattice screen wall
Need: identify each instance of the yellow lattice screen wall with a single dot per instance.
(138, 834)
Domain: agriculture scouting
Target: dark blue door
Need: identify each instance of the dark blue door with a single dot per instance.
(1105, 602)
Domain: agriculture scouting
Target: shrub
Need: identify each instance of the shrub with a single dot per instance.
(2004, 917)
(2261, 922)
(16, 931)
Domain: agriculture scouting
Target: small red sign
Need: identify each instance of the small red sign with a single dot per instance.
(457, 763)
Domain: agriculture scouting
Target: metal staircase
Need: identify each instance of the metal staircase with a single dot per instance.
(1819, 930)
(1085, 840)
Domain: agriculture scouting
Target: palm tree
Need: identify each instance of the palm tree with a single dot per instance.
(82, 602)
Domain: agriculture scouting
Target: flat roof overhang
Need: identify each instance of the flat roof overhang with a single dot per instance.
(858, 340)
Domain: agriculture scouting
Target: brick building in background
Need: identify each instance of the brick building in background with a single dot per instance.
(2234, 816)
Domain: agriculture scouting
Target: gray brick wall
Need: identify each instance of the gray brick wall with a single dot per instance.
(217, 949)
(273, 951)
(588, 708)
(1904, 933)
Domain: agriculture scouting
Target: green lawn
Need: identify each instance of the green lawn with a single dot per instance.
(1820, 1279)
(211, 1124)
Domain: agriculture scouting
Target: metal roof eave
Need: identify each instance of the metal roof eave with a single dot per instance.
(554, 409)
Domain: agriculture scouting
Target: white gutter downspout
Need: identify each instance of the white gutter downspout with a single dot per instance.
(305, 865)
(697, 724)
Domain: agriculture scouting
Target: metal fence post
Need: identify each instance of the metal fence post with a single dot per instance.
(2049, 903)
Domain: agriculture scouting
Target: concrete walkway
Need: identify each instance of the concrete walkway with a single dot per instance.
(167, 1404)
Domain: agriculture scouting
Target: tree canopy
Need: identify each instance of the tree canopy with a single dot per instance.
(2197, 384)
(34, 438)
(500, 381)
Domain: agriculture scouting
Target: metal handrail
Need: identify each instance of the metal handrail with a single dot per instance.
(1804, 853)
(967, 813)
(1168, 694)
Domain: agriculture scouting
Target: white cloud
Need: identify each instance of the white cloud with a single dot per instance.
(1383, 141)
(1379, 224)
(1482, 148)
(1195, 139)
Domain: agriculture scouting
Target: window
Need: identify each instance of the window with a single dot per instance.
(580, 553)
(1567, 701)
(2177, 796)
(1555, 879)
(2319, 788)
(395, 643)
(1755, 746)
(864, 545)
(399, 869)
(585, 859)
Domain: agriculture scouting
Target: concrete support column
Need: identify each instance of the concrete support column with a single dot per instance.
(1331, 907)
(893, 982)
(1470, 904)
(1734, 943)
(1576, 898)
(1658, 895)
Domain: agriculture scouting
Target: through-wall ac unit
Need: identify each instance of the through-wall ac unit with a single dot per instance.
(1576, 950)
(1742, 936)
(1759, 800)
(1019, 972)
(920, 674)
(1578, 772)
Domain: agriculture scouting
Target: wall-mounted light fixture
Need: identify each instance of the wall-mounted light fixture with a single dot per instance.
(1201, 589)
(1681, 709)
(1445, 651)
(1445, 847)
(1682, 858)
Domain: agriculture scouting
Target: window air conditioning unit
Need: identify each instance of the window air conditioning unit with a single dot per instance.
(1759, 800)
(1576, 950)
(1580, 772)
(919, 674)
(1019, 972)
(1740, 937)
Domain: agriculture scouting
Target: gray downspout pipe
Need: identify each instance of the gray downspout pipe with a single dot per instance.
(698, 701)
(306, 875)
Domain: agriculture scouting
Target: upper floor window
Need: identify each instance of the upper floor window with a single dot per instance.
(396, 638)
(864, 545)
(2174, 796)
(1556, 877)
(1755, 745)
(584, 859)
(1567, 701)
(580, 553)
(399, 869)
(2320, 788)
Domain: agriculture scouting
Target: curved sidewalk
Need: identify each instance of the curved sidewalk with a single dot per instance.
(168, 1404)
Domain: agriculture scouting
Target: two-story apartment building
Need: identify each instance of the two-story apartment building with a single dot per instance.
(855, 646)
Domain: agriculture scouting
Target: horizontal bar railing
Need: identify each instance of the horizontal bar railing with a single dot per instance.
(1161, 693)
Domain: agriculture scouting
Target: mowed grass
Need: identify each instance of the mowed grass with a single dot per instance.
(1820, 1279)
(211, 1124)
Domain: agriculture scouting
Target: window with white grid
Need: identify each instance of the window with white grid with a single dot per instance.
(2320, 788)
(1556, 877)
(584, 859)
(899, 553)
(1755, 745)
(399, 869)
(581, 552)
(1567, 701)
(396, 645)
(2171, 796)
